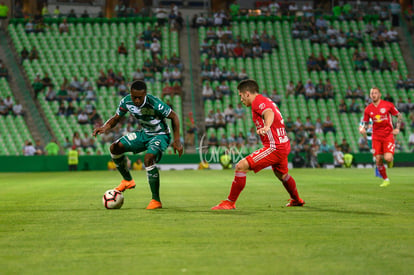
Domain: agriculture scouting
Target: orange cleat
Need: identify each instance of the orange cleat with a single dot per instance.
(126, 184)
(154, 205)
(292, 202)
(225, 205)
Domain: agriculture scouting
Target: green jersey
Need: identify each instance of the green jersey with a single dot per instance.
(151, 114)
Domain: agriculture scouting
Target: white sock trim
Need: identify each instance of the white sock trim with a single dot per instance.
(116, 156)
(149, 168)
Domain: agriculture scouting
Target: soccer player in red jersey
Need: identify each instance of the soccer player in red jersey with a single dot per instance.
(276, 146)
(383, 144)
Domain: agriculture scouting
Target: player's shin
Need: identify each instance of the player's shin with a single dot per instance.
(154, 181)
(237, 186)
(290, 186)
(122, 166)
(382, 171)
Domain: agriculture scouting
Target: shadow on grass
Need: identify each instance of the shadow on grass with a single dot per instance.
(343, 211)
(207, 210)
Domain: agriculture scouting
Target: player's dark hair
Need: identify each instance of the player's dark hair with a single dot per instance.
(138, 85)
(248, 85)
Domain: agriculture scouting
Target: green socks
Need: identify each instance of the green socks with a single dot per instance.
(154, 181)
(122, 166)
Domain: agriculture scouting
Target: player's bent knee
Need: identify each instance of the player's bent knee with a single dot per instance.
(117, 148)
(149, 159)
(242, 166)
(389, 158)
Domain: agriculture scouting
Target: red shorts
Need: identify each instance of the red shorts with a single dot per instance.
(267, 156)
(380, 147)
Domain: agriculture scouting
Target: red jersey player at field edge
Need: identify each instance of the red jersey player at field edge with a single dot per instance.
(276, 146)
(383, 144)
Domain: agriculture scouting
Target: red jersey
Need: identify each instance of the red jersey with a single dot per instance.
(381, 116)
(277, 134)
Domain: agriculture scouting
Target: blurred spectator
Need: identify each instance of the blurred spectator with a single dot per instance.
(87, 141)
(4, 111)
(290, 88)
(176, 75)
(394, 65)
(122, 50)
(29, 149)
(62, 109)
(4, 72)
(102, 80)
(324, 147)
(354, 106)
(338, 157)
(72, 14)
(70, 109)
(62, 94)
(52, 149)
(155, 47)
(389, 98)
(64, 27)
(85, 14)
(18, 109)
(328, 125)
(212, 140)
(56, 12)
(375, 64)
(24, 55)
(220, 119)
(83, 118)
(33, 54)
(76, 139)
(385, 65)
(395, 10)
(107, 137)
(138, 75)
(299, 89)
(47, 81)
(8, 101)
(210, 120)
(29, 27)
(275, 97)
(342, 108)
(230, 114)
(207, 92)
(345, 147)
(363, 145)
(39, 148)
(411, 142)
(333, 64)
(239, 111)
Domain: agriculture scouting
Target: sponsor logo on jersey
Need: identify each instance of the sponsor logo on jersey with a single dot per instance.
(262, 106)
(382, 110)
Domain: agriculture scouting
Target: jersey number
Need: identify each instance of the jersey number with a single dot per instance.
(132, 136)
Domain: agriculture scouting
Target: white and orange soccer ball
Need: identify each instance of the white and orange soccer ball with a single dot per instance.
(113, 199)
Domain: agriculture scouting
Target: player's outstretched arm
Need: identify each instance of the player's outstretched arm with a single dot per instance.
(109, 124)
(175, 121)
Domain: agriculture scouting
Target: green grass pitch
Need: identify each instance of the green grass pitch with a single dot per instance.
(55, 223)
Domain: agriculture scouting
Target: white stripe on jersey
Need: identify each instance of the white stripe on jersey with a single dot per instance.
(263, 154)
(272, 142)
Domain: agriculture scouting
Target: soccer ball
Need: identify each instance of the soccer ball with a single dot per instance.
(113, 199)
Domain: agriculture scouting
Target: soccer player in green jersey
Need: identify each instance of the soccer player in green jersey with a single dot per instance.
(154, 137)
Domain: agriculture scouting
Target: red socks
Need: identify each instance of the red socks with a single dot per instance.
(238, 185)
(290, 185)
(382, 170)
